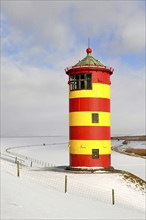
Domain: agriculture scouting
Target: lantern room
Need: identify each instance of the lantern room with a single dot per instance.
(89, 113)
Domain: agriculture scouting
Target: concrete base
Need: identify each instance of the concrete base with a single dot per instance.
(80, 170)
(90, 169)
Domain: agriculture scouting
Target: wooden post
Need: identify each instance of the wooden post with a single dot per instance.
(65, 184)
(113, 197)
(18, 169)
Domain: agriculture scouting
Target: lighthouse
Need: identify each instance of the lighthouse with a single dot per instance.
(89, 113)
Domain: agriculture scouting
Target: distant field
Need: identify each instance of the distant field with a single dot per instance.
(127, 144)
(141, 152)
(130, 138)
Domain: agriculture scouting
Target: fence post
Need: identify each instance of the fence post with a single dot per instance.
(65, 183)
(18, 168)
(113, 197)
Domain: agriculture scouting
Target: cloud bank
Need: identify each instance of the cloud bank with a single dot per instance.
(41, 38)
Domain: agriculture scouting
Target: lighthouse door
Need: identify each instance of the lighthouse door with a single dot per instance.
(95, 153)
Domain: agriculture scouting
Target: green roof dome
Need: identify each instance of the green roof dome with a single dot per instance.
(89, 60)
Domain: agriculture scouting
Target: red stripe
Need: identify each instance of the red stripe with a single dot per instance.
(101, 77)
(103, 74)
(89, 104)
(98, 76)
(89, 133)
(78, 160)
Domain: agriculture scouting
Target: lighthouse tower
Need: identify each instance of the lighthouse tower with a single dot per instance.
(89, 113)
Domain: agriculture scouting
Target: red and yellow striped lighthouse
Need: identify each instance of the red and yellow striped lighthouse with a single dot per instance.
(89, 113)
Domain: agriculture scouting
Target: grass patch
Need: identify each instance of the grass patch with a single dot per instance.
(137, 181)
(141, 152)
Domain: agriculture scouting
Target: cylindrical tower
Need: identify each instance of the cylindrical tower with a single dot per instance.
(89, 113)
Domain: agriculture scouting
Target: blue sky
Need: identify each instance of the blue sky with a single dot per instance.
(41, 38)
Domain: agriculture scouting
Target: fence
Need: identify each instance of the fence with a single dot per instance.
(75, 184)
(28, 160)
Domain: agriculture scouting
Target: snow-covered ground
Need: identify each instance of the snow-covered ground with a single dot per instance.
(130, 144)
(39, 191)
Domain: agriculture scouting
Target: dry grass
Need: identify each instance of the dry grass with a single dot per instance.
(138, 182)
(130, 138)
(141, 152)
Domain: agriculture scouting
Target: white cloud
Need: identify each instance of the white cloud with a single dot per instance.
(119, 24)
(42, 38)
(40, 22)
(134, 35)
(128, 102)
(34, 101)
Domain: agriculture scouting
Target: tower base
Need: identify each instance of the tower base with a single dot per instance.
(91, 169)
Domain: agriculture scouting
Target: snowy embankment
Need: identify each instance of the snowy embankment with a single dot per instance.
(133, 148)
(39, 191)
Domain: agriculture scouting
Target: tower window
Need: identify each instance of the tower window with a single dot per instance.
(80, 82)
(95, 118)
(95, 153)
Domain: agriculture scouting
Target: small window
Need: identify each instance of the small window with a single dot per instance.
(82, 85)
(81, 82)
(95, 153)
(95, 118)
(77, 77)
(82, 76)
(89, 84)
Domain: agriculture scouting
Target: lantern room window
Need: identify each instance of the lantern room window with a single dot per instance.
(80, 82)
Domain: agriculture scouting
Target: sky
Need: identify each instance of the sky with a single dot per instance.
(39, 39)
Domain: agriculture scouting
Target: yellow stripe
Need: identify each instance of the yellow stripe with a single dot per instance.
(86, 146)
(85, 119)
(98, 90)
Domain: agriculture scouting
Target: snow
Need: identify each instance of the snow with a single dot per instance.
(130, 144)
(136, 165)
(39, 191)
